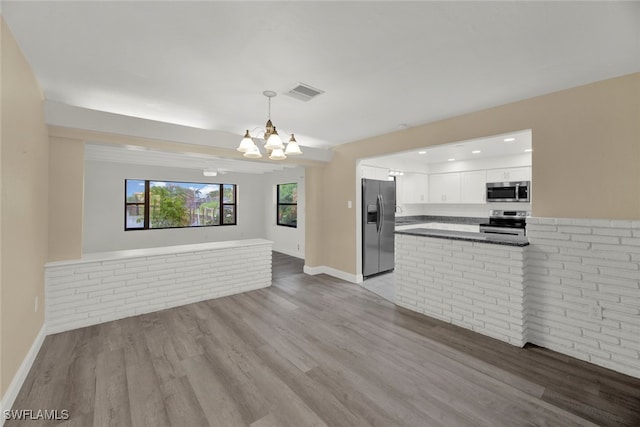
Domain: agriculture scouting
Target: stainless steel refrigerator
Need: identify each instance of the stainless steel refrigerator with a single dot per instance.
(378, 226)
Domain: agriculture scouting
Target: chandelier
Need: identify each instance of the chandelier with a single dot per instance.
(273, 146)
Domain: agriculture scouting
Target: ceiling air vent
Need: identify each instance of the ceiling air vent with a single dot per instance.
(304, 92)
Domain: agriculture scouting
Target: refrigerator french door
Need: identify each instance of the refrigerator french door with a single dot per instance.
(378, 226)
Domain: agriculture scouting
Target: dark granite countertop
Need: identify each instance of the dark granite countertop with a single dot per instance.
(419, 219)
(495, 239)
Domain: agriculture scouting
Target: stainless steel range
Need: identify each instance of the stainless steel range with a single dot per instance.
(506, 222)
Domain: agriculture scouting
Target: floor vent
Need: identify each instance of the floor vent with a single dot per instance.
(304, 92)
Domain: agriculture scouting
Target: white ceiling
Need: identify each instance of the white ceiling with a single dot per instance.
(382, 65)
(511, 144)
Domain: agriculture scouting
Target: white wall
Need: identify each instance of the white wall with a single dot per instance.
(104, 208)
(287, 240)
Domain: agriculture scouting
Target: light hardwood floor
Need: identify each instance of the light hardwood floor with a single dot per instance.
(312, 351)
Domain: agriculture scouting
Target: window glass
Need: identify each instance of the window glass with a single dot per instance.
(287, 206)
(288, 193)
(135, 191)
(178, 204)
(135, 216)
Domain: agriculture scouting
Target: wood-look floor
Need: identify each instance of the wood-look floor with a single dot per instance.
(312, 351)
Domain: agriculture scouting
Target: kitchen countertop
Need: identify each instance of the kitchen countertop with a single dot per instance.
(420, 219)
(495, 239)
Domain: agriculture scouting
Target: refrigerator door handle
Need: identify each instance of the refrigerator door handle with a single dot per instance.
(377, 213)
(381, 212)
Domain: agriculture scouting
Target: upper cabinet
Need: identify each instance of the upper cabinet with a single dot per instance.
(374, 172)
(510, 174)
(473, 187)
(454, 187)
(413, 188)
(444, 188)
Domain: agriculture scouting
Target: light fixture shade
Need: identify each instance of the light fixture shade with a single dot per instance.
(292, 147)
(274, 142)
(277, 154)
(254, 153)
(247, 143)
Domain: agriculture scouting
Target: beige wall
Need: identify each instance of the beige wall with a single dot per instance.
(25, 151)
(586, 143)
(66, 171)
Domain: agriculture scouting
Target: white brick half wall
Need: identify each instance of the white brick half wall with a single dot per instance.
(582, 290)
(477, 286)
(109, 286)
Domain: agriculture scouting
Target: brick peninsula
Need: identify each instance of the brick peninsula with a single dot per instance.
(571, 285)
(472, 280)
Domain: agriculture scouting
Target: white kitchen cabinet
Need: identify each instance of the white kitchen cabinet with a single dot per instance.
(374, 172)
(413, 188)
(509, 174)
(473, 187)
(444, 188)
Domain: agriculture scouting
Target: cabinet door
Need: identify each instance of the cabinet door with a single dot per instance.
(444, 188)
(497, 175)
(520, 174)
(401, 185)
(452, 188)
(415, 188)
(374, 172)
(423, 187)
(509, 174)
(368, 172)
(473, 187)
(436, 188)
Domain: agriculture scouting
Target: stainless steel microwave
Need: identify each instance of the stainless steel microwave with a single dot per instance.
(519, 191)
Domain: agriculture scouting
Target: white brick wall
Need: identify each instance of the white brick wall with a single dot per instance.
(550, 293)
(573, 267)
(121, 284)
(478, 286)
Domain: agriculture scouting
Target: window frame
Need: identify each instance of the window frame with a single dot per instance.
(278, 204)
(147, 210)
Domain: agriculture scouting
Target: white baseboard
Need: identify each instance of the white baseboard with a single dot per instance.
(288, 252)
(18, 379)
(323, 269)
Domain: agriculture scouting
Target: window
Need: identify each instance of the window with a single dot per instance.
(288, 205)
(163, 204)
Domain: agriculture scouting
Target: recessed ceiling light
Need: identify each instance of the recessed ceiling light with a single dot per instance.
(475, 152)
(451, 160)
(528, 150)
(509, 139)
(422, 152)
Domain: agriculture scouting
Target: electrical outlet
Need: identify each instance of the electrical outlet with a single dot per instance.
(595, 312)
